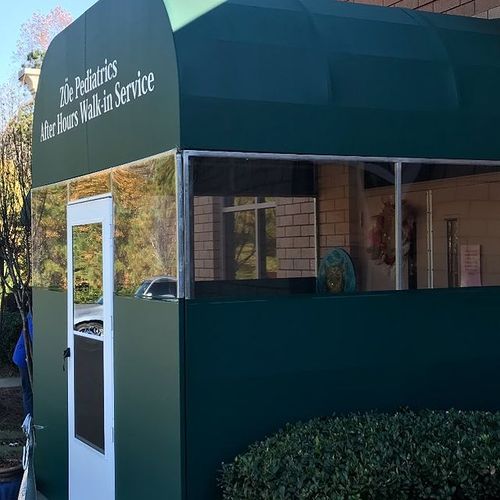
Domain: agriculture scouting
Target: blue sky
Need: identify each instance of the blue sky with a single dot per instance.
(18, 12)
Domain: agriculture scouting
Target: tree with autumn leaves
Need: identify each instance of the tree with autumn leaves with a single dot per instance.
(37, 33)
(16, 120)
(15, 186)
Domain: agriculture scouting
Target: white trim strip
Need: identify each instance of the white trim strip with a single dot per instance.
(328, 158)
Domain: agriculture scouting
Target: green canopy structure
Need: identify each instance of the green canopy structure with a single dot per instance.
(280, 76)
(194, 162)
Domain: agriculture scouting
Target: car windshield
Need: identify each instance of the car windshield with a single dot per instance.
(142, 289)
(162, 289)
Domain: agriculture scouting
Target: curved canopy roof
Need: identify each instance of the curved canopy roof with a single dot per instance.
(282, 76)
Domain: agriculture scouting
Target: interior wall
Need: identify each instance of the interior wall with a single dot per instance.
(295, 237)
(474, 202)
(207, 212)
(345, 215)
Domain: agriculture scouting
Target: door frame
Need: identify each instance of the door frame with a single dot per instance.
(93, 210)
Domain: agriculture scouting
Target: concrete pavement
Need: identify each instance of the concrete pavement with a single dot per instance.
(6, 383)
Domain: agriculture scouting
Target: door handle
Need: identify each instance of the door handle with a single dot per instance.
(66, 355)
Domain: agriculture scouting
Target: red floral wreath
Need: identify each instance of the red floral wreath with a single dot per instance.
(382, 246)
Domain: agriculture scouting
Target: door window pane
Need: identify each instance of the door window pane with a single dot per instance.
(88, 279)
(89, 391)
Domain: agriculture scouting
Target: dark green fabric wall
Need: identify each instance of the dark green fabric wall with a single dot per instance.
(252, 366)
(336, 78)
(148, 412)
(148, 409)
(50, 393)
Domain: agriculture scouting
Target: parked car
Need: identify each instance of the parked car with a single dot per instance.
(159, 288)
(88, 318)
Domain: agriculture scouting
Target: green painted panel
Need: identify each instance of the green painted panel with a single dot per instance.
(50, 393)
(148, 354)
(146, 120)
(252, 366)
(148, 427)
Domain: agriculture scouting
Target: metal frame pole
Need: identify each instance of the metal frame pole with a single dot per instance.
(398, 166)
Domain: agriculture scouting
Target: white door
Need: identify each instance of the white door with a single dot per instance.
(89, 359)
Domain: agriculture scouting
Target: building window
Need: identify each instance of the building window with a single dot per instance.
(254, 224)
(249, 238)
(279, 226)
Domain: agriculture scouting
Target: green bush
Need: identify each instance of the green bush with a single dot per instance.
(11, 325)
(408, 455)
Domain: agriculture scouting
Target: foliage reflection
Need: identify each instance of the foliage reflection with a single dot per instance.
(144, 195)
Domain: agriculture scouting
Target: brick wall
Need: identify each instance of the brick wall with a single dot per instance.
(333, 208)
(207, 237)
(295, 237)
(488, 9)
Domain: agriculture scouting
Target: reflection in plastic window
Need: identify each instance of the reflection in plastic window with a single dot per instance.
(253, 227)
(158, 288)
(88, 279)
(356, 213)
(263, 227)
(145, 223)
(90, 185)
(241, 245)
(250, 239)
(144, 194)
(48, 227)
(453, 236)
(89, 392)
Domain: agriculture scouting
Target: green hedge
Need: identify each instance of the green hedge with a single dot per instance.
(408, 455)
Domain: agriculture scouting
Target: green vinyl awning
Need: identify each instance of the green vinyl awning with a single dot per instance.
(280, 76)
